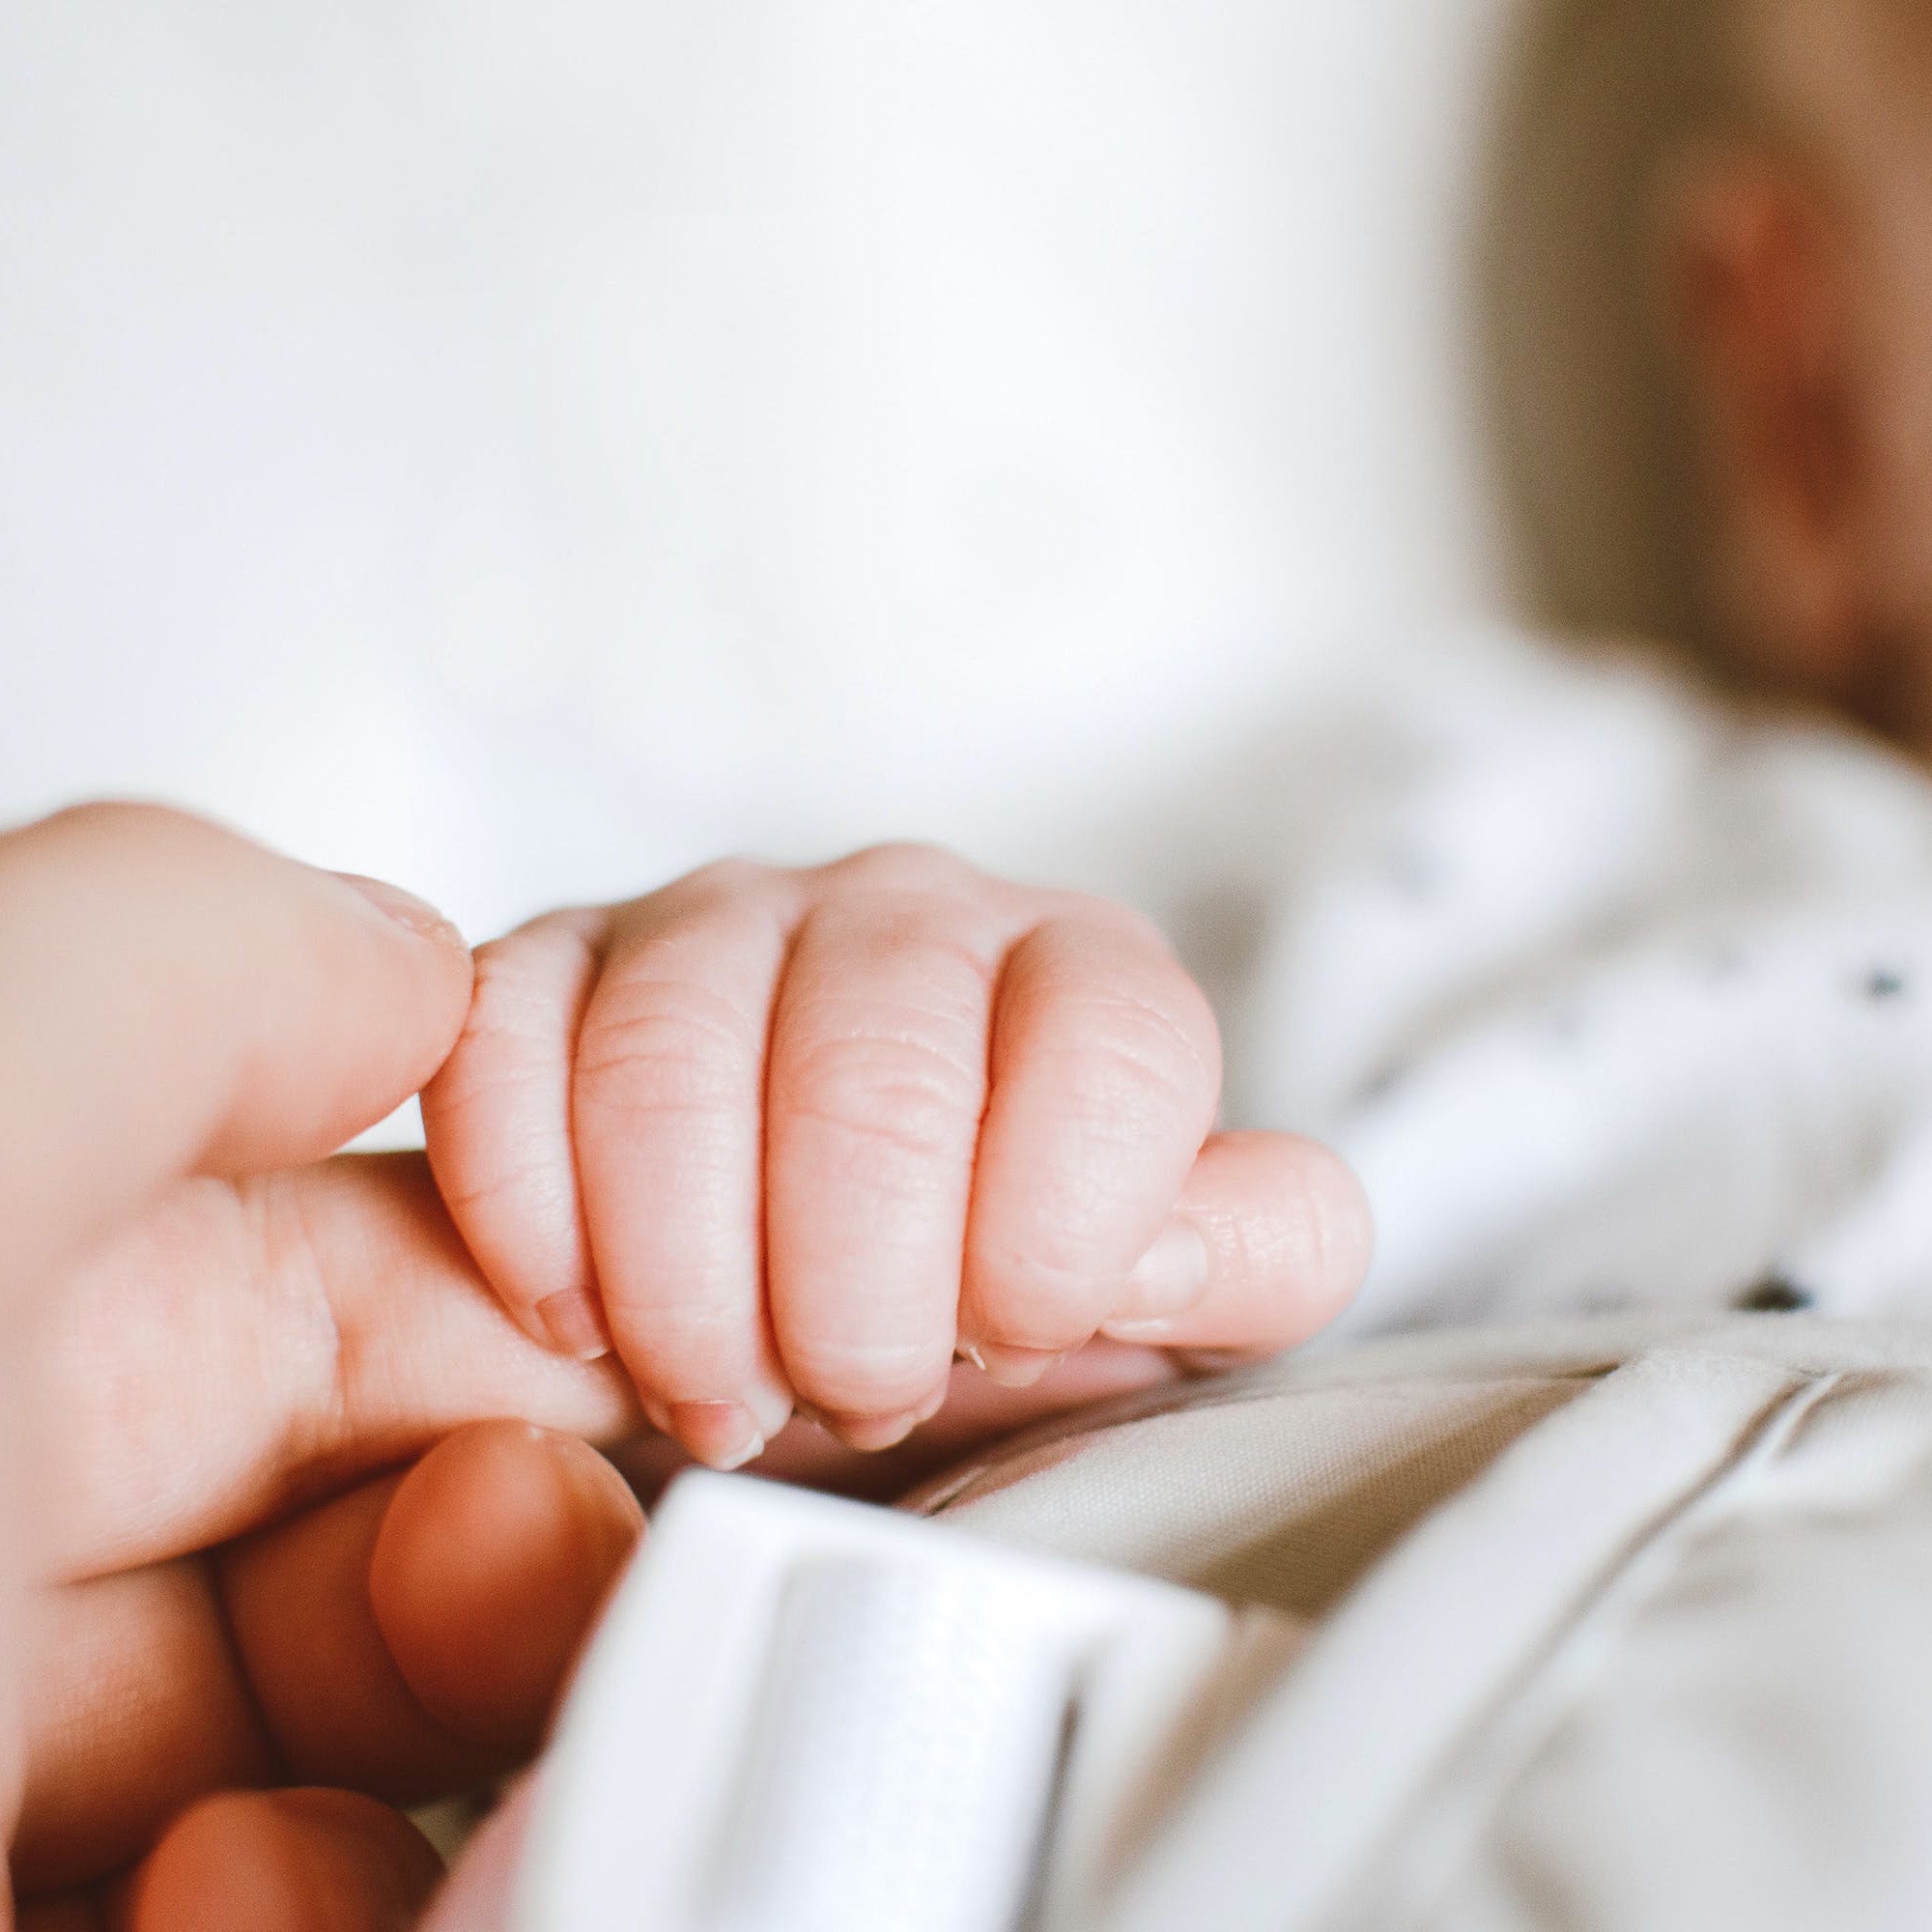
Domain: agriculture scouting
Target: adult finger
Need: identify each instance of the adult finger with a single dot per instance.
(407, 1639)
(878, 1086)
(294, 1861)
(344, 1325)
(1106, 1074)
(493, 1561)
(415, 1635)
(412, 1637)
(1270, 1238)
(134, 1708)
(75, 1913)
(668, 1112)
(174, 999)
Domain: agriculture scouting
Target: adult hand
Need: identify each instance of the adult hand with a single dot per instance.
(303, 1527)
(236, 1615)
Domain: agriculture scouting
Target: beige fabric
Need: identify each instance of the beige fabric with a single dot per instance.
(1620, 1625)
(1274, 1497)
(1759, 1749)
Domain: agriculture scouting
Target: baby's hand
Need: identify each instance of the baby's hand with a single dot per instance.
(798, 1136)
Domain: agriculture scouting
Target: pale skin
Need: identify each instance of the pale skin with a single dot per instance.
(298, 1489)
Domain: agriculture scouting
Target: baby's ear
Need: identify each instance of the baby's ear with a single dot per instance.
(1764, 307)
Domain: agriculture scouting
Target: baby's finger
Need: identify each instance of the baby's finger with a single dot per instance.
(1106, 1072)
(497, 1119)
(1269, 1241)
(978, 1414)
(668, 1110)
(878, 1081)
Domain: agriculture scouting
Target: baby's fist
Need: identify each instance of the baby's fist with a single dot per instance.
(790, 1137)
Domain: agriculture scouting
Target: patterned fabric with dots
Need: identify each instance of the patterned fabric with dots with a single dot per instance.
(1617, 997)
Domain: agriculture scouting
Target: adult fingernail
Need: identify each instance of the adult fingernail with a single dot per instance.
(1016, 1368)
(1169, 1279)
(722, 1434)
(575, 1326)
(415, 915)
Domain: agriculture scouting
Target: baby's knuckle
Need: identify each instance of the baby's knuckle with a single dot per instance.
(666, 1045)
(905, 864)
(510, 1010)
(688, 1348)
(1130, 1057)
(730, 877)
(481, 1185)
(1046, 1293)
(504, 1039)
(908, 1099)
(866, 1376)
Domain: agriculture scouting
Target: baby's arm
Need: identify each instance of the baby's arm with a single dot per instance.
(797, 1137)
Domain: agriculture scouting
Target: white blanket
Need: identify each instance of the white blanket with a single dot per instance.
(1615, 995)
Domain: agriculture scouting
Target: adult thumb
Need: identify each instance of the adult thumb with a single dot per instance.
(176, 999)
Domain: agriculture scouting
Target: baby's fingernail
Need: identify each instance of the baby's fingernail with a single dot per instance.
(1016, 1368)
(869, 1434)
(1169, 1279)
(415, 915)
(722, 1433)
(970, 1352)
(771, 1408)
(575, 1326)
(1155, 1334)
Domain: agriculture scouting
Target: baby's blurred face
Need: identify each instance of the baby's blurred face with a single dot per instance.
(1808, 331)
(1874, 74)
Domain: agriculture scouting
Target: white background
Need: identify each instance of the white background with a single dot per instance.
(525, 450)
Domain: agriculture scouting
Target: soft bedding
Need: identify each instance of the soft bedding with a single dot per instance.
(1615, 993)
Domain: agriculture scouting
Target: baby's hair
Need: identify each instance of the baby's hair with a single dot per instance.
(1591, 437)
